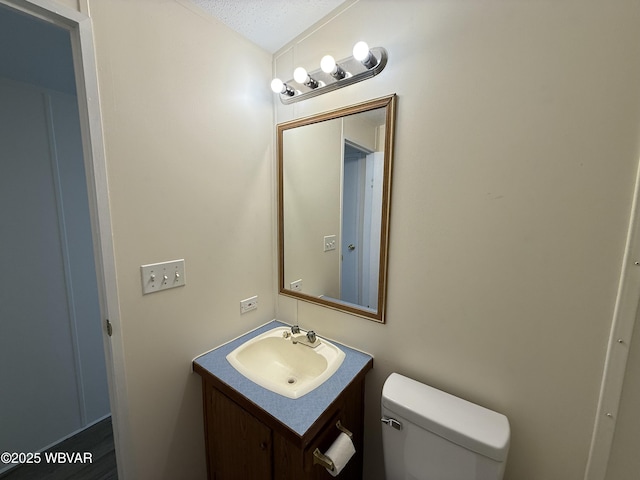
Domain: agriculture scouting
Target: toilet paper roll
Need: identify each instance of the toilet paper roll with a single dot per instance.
(340, 452)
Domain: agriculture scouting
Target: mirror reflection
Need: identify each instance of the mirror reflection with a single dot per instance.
(334, 182)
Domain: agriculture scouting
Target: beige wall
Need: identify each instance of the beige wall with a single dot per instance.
(312, 206)
(188, 137)
(516, 150)
(359, 130)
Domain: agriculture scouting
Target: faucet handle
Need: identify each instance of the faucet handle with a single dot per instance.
(295, 329)
(311, 335)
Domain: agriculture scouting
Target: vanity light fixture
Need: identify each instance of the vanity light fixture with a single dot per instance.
(301, 76)
(365, 63)
(278, 86)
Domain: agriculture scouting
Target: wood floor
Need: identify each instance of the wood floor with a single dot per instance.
(97, 440)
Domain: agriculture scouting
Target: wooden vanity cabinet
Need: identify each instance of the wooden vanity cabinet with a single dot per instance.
(238, 444)
(244, 442)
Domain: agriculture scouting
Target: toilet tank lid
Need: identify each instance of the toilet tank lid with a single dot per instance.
(464, 423)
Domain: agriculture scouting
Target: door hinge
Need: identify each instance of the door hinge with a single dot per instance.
(109, 327)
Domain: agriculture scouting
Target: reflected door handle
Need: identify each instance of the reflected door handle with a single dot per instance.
(351, 246)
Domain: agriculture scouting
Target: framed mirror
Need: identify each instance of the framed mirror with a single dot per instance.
(334, 187)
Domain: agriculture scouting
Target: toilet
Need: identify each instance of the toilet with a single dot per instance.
(428, 434)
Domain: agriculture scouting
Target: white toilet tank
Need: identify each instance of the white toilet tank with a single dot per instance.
(428, 434)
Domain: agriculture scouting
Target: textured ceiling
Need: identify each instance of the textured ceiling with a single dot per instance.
(269, 23)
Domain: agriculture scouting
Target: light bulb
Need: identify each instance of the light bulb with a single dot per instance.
(277, 85)
(327, 64)
(300, 75)
(360, 51)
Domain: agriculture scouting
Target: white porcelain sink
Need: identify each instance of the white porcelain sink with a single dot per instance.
(279, 365)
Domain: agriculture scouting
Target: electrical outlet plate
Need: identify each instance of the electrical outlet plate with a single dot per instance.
(162, 276)
(329, 243)
(248, 304)
(296, 286)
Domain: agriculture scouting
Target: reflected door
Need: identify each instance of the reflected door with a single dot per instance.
(361, 226)
(352, 224)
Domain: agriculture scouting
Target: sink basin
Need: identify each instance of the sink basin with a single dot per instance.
(279, 365)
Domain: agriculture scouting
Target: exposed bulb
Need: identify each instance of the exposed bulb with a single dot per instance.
(362, 53)
(300, 75)
(277, 85)
(327, 64)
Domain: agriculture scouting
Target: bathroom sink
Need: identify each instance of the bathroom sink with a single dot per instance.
(279, 365)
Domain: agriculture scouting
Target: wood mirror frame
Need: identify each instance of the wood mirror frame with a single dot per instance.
(388, 104)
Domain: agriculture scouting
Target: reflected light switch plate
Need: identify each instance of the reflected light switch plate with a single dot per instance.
(329, 243)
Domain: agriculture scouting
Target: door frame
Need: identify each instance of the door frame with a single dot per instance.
(81, 33)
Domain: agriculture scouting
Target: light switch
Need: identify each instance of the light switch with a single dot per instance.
(329, 243)
(163, 275)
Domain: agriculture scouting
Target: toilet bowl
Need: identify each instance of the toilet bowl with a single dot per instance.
(428, 434)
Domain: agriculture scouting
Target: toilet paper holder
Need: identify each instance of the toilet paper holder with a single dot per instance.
(320, 458)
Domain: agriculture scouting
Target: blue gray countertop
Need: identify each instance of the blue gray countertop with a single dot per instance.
(297, 414)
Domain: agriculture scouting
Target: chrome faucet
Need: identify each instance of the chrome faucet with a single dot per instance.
(308, 339)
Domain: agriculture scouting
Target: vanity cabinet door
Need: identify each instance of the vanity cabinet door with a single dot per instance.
(239, 445)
